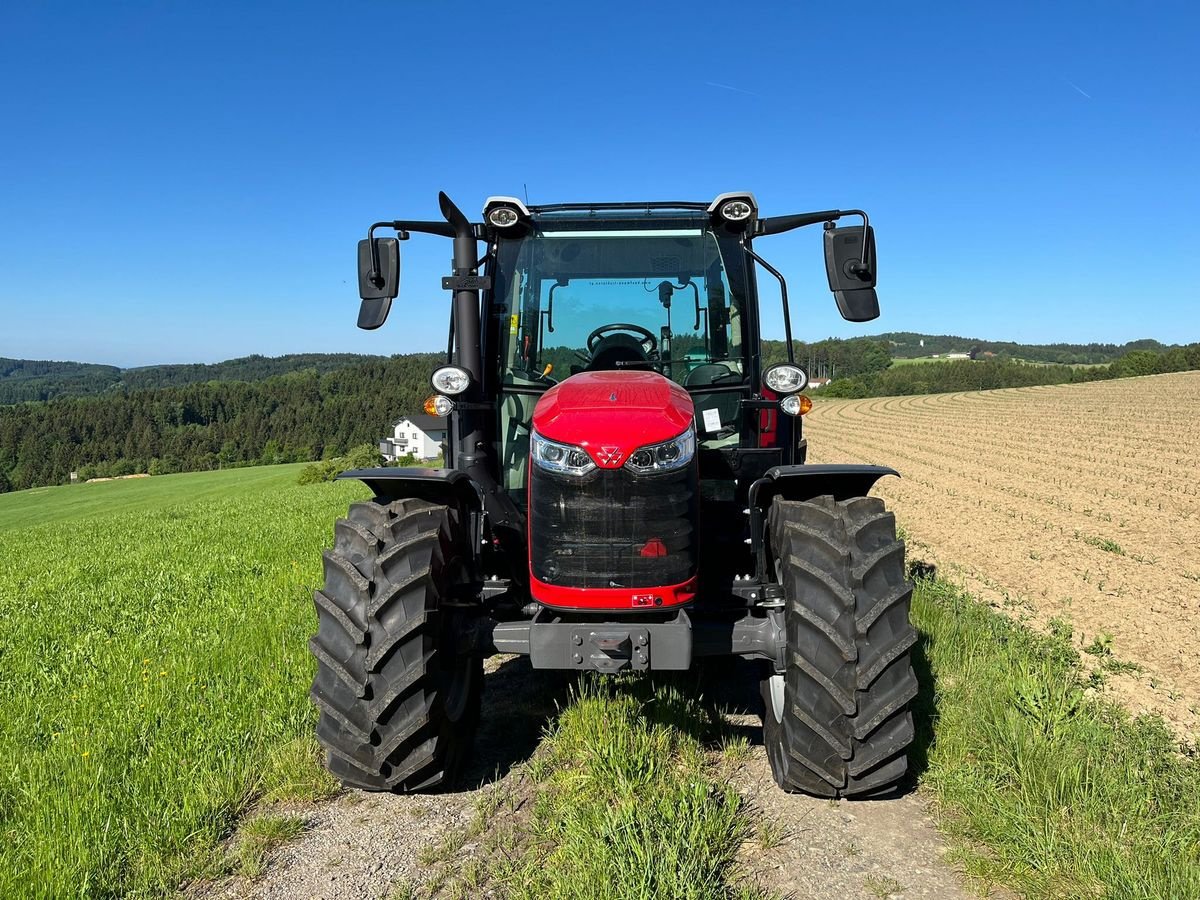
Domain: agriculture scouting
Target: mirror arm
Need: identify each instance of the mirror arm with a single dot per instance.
(402, 229)
(863, 269)
(375, 276)
(780, 224)
(787, 317)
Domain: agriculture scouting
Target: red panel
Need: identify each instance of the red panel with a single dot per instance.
(616, 599)
(768, 421)
(611, 414)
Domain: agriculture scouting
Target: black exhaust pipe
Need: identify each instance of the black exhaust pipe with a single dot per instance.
(470, 443)
(466, 302)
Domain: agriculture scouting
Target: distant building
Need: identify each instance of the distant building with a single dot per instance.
(419, 436)
(958, 356)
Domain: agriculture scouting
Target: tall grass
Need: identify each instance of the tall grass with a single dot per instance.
(153, 674)
(628, 804)
(1050, 790)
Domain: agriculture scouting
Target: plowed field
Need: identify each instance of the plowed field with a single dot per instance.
(1079, 502)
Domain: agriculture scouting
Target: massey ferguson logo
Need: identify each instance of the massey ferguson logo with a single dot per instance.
(609, 456)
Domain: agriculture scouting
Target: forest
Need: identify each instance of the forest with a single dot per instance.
(32, 380)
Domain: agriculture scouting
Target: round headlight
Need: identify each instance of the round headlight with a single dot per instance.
(439, 406)
(785, 378)
(503, 216)
(450, 380)
(795, 404)
(736, 210)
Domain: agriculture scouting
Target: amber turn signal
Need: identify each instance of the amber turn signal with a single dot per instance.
(795, 404)
(439, 406)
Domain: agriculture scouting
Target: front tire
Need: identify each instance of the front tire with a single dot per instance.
(398, 699)
(836, 723)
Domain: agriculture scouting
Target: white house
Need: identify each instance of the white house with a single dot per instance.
(421, 436)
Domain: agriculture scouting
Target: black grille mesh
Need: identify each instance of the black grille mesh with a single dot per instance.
(590, 532)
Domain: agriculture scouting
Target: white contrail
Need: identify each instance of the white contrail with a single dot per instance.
(1078, 88)
(730, 87)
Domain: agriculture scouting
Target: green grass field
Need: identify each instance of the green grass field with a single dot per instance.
(105, 499)
(153, 671)
(918, 360)
(921, 360)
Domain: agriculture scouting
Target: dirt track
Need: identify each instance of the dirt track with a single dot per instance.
(375, 846)
(1078, 501)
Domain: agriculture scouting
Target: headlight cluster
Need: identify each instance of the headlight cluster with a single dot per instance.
(567, 459)
(561, 458)
(673, 454)
(788, 380)
(448, 381)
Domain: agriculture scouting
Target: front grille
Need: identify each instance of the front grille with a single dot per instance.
(603, 529)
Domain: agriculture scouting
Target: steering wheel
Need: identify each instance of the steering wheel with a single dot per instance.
(649, 341)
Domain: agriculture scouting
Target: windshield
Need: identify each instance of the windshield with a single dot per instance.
(588, 295)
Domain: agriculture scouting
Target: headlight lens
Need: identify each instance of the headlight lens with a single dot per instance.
(503, 216)
(785, 378)
(450, 380)
(736, 210)
(664, 457)
(564, 459)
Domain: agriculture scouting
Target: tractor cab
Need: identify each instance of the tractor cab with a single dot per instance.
(664, 291)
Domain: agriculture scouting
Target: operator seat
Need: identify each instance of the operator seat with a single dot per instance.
(614, 348)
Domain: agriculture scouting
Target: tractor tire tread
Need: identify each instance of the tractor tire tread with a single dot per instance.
(845, 727)
(382, 719)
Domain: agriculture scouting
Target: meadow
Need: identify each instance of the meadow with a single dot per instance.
(153, 691)
(153, 672)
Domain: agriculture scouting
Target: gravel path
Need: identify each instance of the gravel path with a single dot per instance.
(362, 845)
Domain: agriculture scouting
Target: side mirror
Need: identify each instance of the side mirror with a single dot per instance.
(378, 279)
(850, 263)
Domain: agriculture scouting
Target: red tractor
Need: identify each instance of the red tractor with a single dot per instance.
(625, 489)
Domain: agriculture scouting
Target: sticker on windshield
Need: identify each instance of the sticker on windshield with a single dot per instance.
(712, 420)
(512, 324)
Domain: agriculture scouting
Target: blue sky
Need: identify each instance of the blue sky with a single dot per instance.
(187, 181)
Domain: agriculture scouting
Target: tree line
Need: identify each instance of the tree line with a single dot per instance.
(910, 344)
(987, 374)
(35, 380)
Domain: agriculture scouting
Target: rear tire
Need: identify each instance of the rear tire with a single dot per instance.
(836, 723)
(398, 701)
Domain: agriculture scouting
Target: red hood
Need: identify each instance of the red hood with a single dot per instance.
(611, 414)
